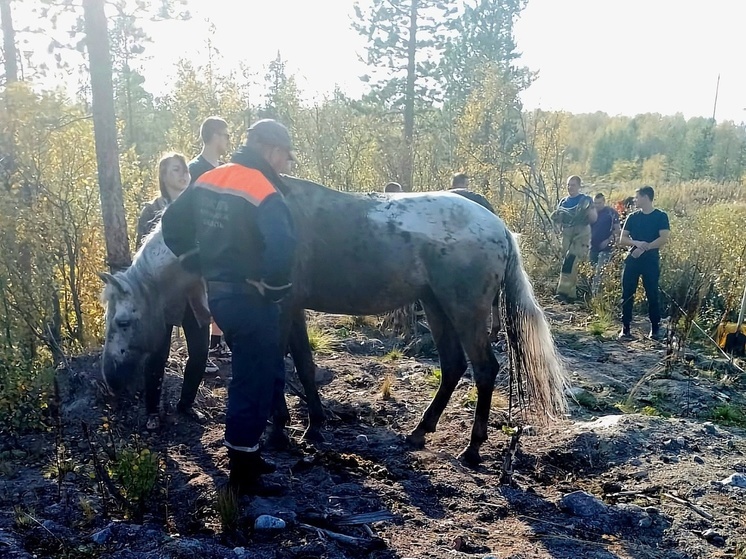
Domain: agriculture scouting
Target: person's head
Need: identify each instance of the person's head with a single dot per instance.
(392, 187)
(599, 200)
(644, 197)
(272, 140)
(573, 185)
(173, 175)
(460, 180)
(214, 133)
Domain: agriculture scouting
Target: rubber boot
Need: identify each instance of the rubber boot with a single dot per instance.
(245, 471)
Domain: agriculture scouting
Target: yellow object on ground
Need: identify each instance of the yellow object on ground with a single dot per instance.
(724, 329)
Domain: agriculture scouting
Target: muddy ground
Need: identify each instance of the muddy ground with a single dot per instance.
(648, 482)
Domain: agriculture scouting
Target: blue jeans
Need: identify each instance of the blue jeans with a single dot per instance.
(251, 326)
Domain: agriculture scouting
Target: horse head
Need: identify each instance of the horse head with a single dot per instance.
(134, 326)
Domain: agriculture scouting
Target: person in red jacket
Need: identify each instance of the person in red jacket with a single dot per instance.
(239, 213)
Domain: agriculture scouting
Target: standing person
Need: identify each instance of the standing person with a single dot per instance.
(604, 233)
(215, 145)
(239, 212)
(574, 214)
(173, 179)
(460, 180)
(645, 231)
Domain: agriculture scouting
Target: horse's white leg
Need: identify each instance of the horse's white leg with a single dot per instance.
(452, 367)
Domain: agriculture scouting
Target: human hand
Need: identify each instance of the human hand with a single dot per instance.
(637, 252)
(604, 244)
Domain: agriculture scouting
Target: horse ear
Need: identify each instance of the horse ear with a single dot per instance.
(109, 279)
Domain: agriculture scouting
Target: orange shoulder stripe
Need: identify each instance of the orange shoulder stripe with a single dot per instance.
(237, 180)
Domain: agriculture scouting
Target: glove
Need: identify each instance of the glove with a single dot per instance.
(272, 292)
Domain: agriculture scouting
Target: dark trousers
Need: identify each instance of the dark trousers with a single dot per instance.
(251, 327)
(647, 267)
(198, 342)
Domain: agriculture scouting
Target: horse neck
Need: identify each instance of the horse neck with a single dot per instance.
(153, 268)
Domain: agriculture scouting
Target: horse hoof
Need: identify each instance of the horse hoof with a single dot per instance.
(416, 441)
(470, 457)
(278, 440)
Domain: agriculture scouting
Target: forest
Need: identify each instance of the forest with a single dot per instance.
(446, 101)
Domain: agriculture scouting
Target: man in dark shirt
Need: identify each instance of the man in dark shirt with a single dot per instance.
(604, 233)
(215, 144)
(645, 232)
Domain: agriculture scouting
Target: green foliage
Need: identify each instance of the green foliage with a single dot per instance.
(24, 396)
(321, 341)
(227, 508)
(393, 355)
(729, 414)
(433, 379)
(137, 471)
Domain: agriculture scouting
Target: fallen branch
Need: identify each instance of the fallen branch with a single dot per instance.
(363, 543)
(689, 504)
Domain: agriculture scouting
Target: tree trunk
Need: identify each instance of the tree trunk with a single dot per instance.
(105, 134)
(9, 43)
(407, 167)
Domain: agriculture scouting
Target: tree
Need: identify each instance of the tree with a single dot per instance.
(105, 132)
(405, 41)
(9, 42)
(483, 38)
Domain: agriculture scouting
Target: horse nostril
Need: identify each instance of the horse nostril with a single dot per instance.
(121, 352)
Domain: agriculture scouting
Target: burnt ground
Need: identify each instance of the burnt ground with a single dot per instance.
(641, 441)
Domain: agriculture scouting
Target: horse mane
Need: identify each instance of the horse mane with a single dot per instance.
(146, 269)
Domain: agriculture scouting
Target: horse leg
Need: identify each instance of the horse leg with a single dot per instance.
(452, 367)
(300, 349)
(485, 366)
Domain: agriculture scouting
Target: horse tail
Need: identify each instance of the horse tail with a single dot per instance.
(537, 371)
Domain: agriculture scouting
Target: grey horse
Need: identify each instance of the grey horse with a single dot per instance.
(369, 254)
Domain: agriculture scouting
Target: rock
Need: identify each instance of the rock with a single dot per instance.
(713, 537)
(267, 522)
(580, 503)
(736, 480)
(645, 522)
(698, 459)
(323, 375)
(681, 441)
(102, 536)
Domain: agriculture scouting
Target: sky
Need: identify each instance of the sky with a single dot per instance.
(618, 56)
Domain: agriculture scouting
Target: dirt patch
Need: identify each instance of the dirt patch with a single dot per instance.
(601, 484)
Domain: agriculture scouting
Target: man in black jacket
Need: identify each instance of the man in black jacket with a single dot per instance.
(234, 224)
